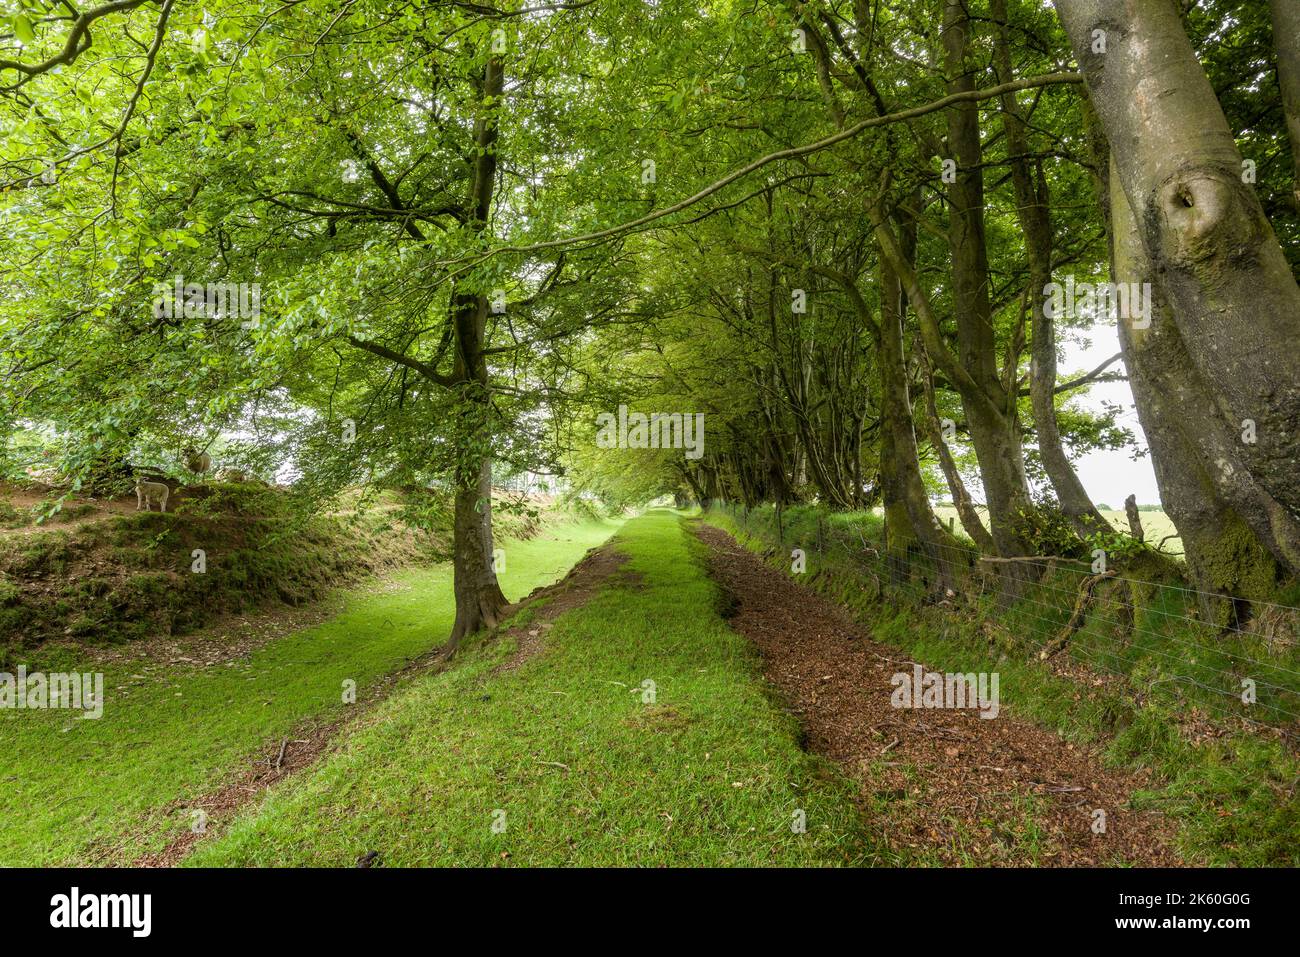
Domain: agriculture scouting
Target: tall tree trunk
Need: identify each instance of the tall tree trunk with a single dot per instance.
(991, 434)
(900, 537)
(990, 411)
(910, 524)
(961, 500)
(1226, 521)
(479, 599)
(1286, 41)
(1212, 251)
(1224, 553)
(1034, 214)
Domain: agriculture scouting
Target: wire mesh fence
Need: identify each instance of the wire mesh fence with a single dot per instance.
(1155, 638)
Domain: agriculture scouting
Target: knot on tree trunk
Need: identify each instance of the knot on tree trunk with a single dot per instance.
(1200, 217)
(1103, 36)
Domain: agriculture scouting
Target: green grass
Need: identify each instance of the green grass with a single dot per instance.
(73, 791)
(1234, 796)
(585, 770)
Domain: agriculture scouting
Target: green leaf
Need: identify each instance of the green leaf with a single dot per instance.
(23, 28)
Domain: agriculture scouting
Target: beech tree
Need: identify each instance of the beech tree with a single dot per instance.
(1228, 295)
(829, 226)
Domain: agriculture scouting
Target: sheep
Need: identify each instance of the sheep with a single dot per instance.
(232, 475)
(146, 493)
(197, 461)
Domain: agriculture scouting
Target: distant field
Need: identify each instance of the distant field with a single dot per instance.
(1156, 525)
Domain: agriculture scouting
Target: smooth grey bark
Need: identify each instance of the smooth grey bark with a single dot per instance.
(1212, 252)
(1235, 536)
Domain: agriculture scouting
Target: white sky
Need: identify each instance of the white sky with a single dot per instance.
(1109, 477)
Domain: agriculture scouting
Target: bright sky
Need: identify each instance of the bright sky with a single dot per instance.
(1109, 477)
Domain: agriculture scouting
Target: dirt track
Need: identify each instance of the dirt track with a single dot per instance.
(948, 783)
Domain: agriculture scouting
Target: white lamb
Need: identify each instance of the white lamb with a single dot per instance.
(146, 493)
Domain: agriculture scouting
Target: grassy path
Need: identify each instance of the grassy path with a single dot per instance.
(566, 760)
(84, 791)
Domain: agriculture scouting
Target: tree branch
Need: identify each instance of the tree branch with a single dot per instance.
(426, 370)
